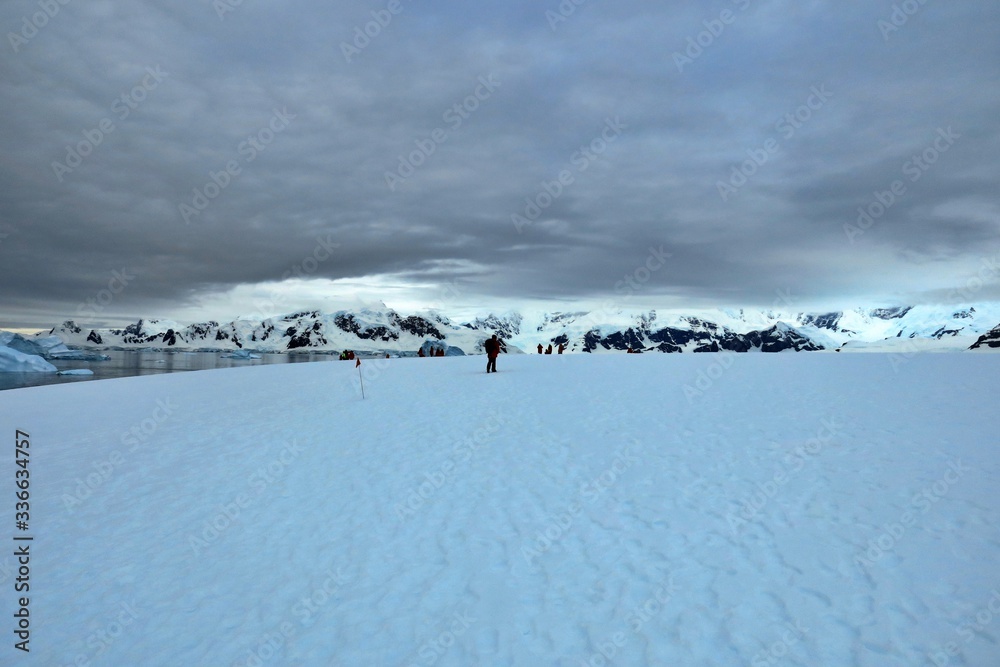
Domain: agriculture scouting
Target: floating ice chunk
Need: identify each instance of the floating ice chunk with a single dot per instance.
(48, 347)
(240, 354)
(13, 361)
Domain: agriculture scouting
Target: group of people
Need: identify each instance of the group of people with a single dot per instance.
(492, 346)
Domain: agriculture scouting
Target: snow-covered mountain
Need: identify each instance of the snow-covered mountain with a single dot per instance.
(366, 330)
(380, 330)
(989, 340)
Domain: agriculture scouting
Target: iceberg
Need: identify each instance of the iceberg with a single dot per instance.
(449, 350)
(47, 347)
(240, 354)
(77, 371)
(77, 355)
(14, 361)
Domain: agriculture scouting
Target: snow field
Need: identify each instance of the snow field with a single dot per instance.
(568, 510)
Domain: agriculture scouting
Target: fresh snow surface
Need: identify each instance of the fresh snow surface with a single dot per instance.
(657, 509)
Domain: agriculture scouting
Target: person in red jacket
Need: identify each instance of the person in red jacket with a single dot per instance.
(492, 350)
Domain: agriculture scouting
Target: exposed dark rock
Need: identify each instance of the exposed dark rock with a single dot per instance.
(989, 339)
(891, 313)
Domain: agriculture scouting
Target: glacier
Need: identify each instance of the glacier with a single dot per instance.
(380, 330)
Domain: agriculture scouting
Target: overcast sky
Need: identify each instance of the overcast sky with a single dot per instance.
(353, 176)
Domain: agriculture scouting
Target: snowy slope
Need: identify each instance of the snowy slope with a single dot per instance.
(658, 509)
(380, 329)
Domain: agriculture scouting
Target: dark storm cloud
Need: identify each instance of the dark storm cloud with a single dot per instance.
(226, 142)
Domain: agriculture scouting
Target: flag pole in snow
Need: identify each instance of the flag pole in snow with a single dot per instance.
(361, 377)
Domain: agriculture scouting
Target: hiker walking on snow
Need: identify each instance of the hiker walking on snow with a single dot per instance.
(492, 350)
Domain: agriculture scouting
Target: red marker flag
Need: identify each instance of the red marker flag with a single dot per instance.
(360, 377)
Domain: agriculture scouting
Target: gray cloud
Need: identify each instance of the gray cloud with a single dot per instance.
(343, 125)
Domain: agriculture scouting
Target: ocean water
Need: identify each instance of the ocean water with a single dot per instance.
(129, 363)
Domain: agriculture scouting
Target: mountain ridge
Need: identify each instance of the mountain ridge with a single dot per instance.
(382, 330)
